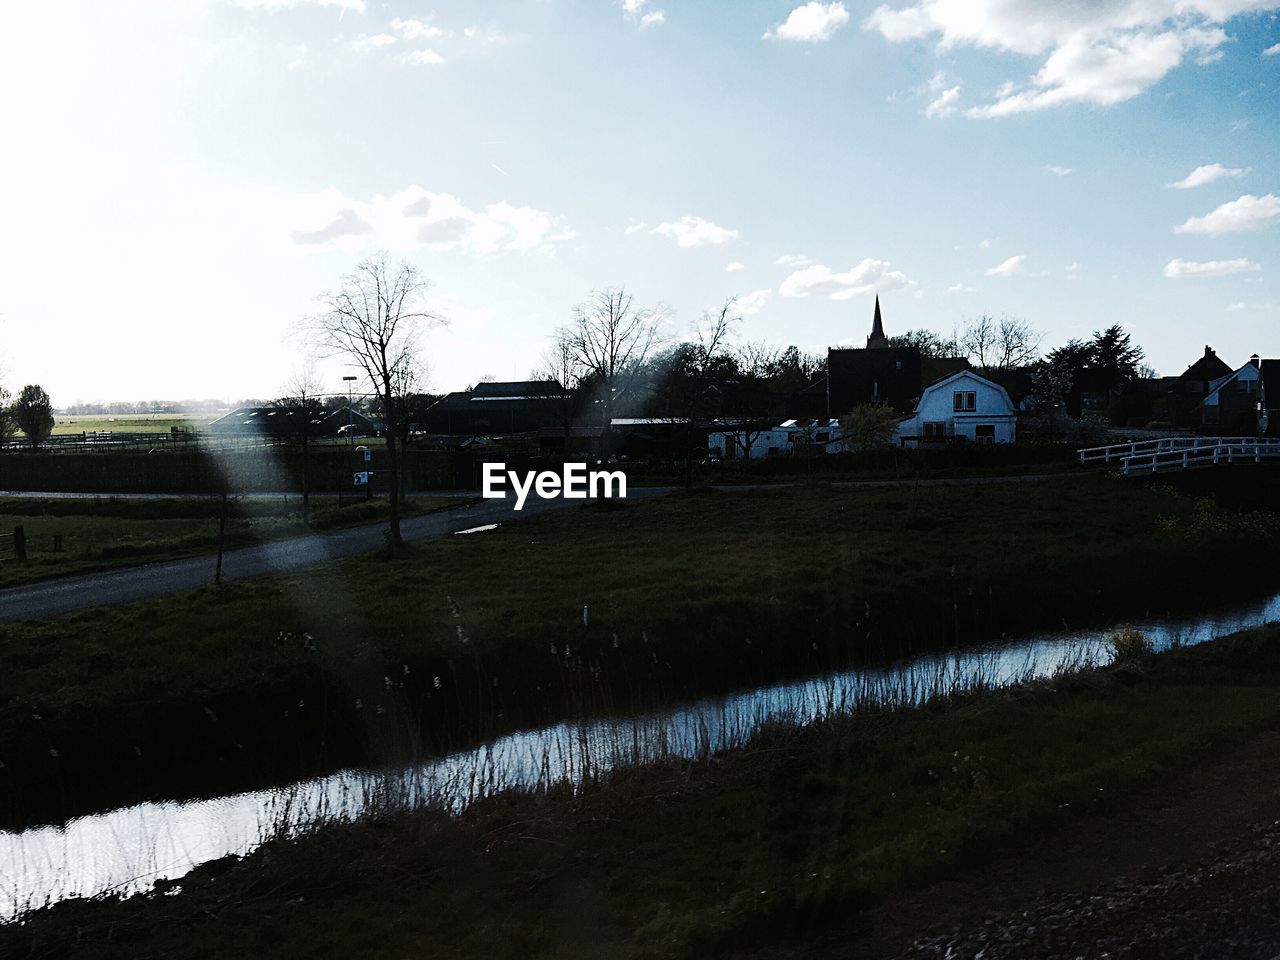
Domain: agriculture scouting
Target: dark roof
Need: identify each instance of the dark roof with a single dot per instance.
(1208, 367)
(933, 369)
(517, 389)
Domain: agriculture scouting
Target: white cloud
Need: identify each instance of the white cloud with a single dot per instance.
(944, 104)
(1096, 53)
(1237, 306)
(961, 288)
(984, 245)
(364, 43)
(634, 228)
(734, 267)
(440, 221)
(748, 305)
(1244, 213)
(1209, 58)
(1272, 50)
(792, 260)
(358, 6)
(347, 223)
(811, 23)
(415, 29)
(1175, 268)
(1207, 173)
(691, 231)
(426, 57)
(634, 10)
(869, 276)
(1058, 171)
(1008, 268)
(1239, 125)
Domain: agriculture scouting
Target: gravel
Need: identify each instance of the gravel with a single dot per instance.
(1226, 907)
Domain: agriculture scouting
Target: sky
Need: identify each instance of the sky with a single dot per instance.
(181, 179)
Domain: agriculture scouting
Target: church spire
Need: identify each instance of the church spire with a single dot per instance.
(877, 338)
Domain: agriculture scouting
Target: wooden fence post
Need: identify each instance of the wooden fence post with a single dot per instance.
(20, 544)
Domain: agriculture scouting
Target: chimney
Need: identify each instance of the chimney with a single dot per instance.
(1208, 351)
(1256, 362)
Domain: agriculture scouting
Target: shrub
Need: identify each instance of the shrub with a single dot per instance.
(1128, 645)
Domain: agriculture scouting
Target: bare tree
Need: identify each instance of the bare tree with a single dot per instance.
(611, 336)
(743, 432)
(707, 351)
(376, 317)
(561, 365)
(302, 405)
(757, 360)
(1000, 344)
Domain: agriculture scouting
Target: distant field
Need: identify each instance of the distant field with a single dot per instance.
(130, 423)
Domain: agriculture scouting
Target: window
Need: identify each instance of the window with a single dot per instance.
(935, 430)
(897, 365)
(965, 401)
(985, 433)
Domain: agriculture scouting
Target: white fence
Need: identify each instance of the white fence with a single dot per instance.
(1168, 454)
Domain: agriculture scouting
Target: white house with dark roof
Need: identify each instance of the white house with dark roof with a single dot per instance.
(963, 406)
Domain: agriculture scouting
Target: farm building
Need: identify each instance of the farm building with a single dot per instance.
(281, 422)
(753, 442)
(963, 406)
(495, 408)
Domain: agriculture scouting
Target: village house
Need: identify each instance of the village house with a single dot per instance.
(962, 406)
(1231, 405)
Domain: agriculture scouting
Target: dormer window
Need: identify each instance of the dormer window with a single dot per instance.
(965, 401)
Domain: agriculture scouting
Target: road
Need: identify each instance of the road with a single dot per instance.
(51, 598)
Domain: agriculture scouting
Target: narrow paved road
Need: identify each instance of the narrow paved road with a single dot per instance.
(51, 598)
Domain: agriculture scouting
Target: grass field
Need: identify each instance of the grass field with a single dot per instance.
(129, 423)
(757, 847)
(106, 533)
(457, 638)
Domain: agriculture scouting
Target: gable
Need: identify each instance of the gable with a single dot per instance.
(937, 401)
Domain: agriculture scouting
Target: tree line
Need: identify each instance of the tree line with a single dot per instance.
(617, 354)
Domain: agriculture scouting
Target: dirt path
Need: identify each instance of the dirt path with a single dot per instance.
(1213, 826)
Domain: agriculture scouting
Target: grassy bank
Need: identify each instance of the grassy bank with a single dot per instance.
(756, 847)
(378, 659)
(892, 463)
(104, 533)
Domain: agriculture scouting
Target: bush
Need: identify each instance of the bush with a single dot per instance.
(1128, 645)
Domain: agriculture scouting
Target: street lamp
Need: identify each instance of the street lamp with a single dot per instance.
(350, 379)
